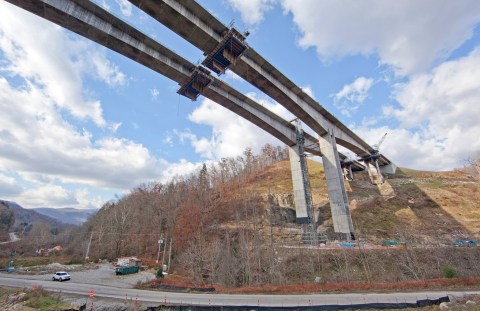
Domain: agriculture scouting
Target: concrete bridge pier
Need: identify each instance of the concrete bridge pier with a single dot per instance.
(301, 188)
(347, 172)
(301, 185)
(342, 220)
(374, 171)
(379, 172)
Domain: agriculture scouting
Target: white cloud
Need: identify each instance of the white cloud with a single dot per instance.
(182, 168)
(86, 200)
(103, 4)
(438, 115)
(8, 186)
(231, 133)
(125, 7)
(35, 139)
(308, 90)
(411, 149)
(105, 70)
(273, 106)
(55, 196)
(232, 76)
(168, 140)
(352, 95)
(155, 93)
(56, 67)
(115, 126)
(252, 11)
(408, 35)
(47, 196)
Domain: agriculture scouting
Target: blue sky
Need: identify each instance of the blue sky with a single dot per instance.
(80, 125)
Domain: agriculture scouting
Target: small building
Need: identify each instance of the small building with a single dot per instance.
(57, 248)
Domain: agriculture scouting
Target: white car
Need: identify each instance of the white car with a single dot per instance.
(61, 276)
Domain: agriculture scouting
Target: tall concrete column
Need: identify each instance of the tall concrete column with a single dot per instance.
(342, 220)
(379, 172)
(367, 167)
(374, 172)
(299, 188)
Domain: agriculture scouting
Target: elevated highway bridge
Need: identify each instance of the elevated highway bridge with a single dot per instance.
(93, 22)
(198, 26)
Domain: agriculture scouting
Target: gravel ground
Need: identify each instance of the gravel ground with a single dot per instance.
(101, 274)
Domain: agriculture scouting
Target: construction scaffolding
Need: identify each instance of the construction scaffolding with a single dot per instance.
(226, 53)
(196, 83)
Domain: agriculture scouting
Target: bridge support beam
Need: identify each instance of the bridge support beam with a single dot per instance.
(342, 220)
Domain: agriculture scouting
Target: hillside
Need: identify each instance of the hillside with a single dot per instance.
(7, 218)
(234, 225)
(34, 230)
(25, 216)
(67, 215)
(426, 206)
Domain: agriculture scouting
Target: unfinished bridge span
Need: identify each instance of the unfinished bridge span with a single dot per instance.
(95, 23)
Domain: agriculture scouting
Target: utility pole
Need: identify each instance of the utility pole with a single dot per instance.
(88, 246)
(159, 248)
(163, 255)
(170, 255)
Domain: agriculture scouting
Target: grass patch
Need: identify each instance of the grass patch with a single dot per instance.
(20, 261)
(43, 300)
(435, 184)
(449, 272)
(5, 291)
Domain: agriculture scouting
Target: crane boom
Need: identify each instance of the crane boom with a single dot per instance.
(381, 141)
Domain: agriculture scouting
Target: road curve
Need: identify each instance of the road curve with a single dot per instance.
(13, 238)
(158, 297)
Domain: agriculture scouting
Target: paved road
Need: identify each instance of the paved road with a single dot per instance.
(13, 238)
(156, 297)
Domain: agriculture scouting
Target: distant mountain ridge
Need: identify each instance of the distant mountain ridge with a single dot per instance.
(26, 216)
(67, 215)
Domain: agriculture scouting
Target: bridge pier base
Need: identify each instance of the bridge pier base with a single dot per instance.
(342, 220)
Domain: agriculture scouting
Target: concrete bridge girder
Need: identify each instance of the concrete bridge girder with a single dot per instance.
(307, 113)
(188, 17)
